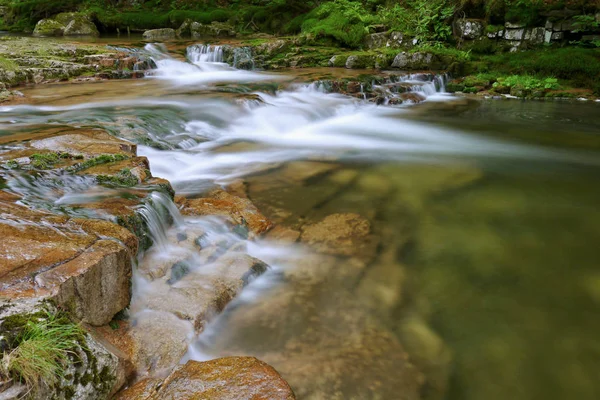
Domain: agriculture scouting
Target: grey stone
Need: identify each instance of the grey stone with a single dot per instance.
(535, 35)
(160, 34)
(413, 61)
(558, 36)
(470, 28)
(81, 27)
(396, 39)
(514, 25)
(514, 34)
(376, 40)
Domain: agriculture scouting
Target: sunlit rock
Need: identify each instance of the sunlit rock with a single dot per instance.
(228, 378)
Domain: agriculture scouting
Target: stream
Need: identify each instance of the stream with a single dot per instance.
(478, 280)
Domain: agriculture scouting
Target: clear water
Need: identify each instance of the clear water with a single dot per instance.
(485, 215)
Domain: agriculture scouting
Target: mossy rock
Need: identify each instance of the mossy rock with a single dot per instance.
(49, 27)
(453, 87)
(80, 25)
(338, 61)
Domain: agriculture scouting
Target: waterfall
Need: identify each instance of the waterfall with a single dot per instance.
(159, 212)
(200, 53)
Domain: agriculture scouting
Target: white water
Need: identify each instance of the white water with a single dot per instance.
(205, 67)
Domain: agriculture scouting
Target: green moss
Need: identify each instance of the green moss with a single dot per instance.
(99, 160)
(47, 160)
(11, 164)
(123, 178)
(7, 64)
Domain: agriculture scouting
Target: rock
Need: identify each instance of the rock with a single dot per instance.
(49, 27)
(338, 61)
(91, 372)
(89, 277)
(87, 142)
(185, 29)
(228, 378)
(514, 25)
(238, 210)
(396, 39)
(160, 34)
(514, 34)
(81, 27)
(215, 29)
(535, 35)
(413, 61)
(357, 62)
(340, 234)
(469, 28)
(376, 40)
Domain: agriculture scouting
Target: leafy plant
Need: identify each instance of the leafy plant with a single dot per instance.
(527, 82)
(585, 23)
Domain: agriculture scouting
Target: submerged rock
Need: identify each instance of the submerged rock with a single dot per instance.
(230, 378)
(341, 234)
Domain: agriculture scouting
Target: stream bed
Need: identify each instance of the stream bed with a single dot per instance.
(478, 278)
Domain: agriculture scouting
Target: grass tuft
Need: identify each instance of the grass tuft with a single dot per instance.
(41, 350)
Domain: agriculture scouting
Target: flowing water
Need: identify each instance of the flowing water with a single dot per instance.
(481, 267)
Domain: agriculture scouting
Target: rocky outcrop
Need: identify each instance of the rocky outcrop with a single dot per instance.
(160, 34)
(90, 372)
(228, 378)
(27, 61)
(215, 29)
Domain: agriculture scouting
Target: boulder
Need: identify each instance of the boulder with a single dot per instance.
(81, 27)
(160, 34)
(43, 257)
(49, 27)
(229, 378)
(470, 29)
(215, 29)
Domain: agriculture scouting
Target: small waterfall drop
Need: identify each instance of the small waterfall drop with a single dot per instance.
(159, 212)
(201, 53)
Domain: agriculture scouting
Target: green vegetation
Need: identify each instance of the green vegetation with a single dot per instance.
(99, 160)
(123, 178)
(40, 349)
(527, 82)
(47, 160)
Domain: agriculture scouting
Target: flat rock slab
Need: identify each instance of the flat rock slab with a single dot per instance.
(230, 378)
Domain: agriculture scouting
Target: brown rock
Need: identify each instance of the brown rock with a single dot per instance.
(47, 256)
(231, 378)
(88, 142)
(238, 210)
(341, 234)
(283, 235)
